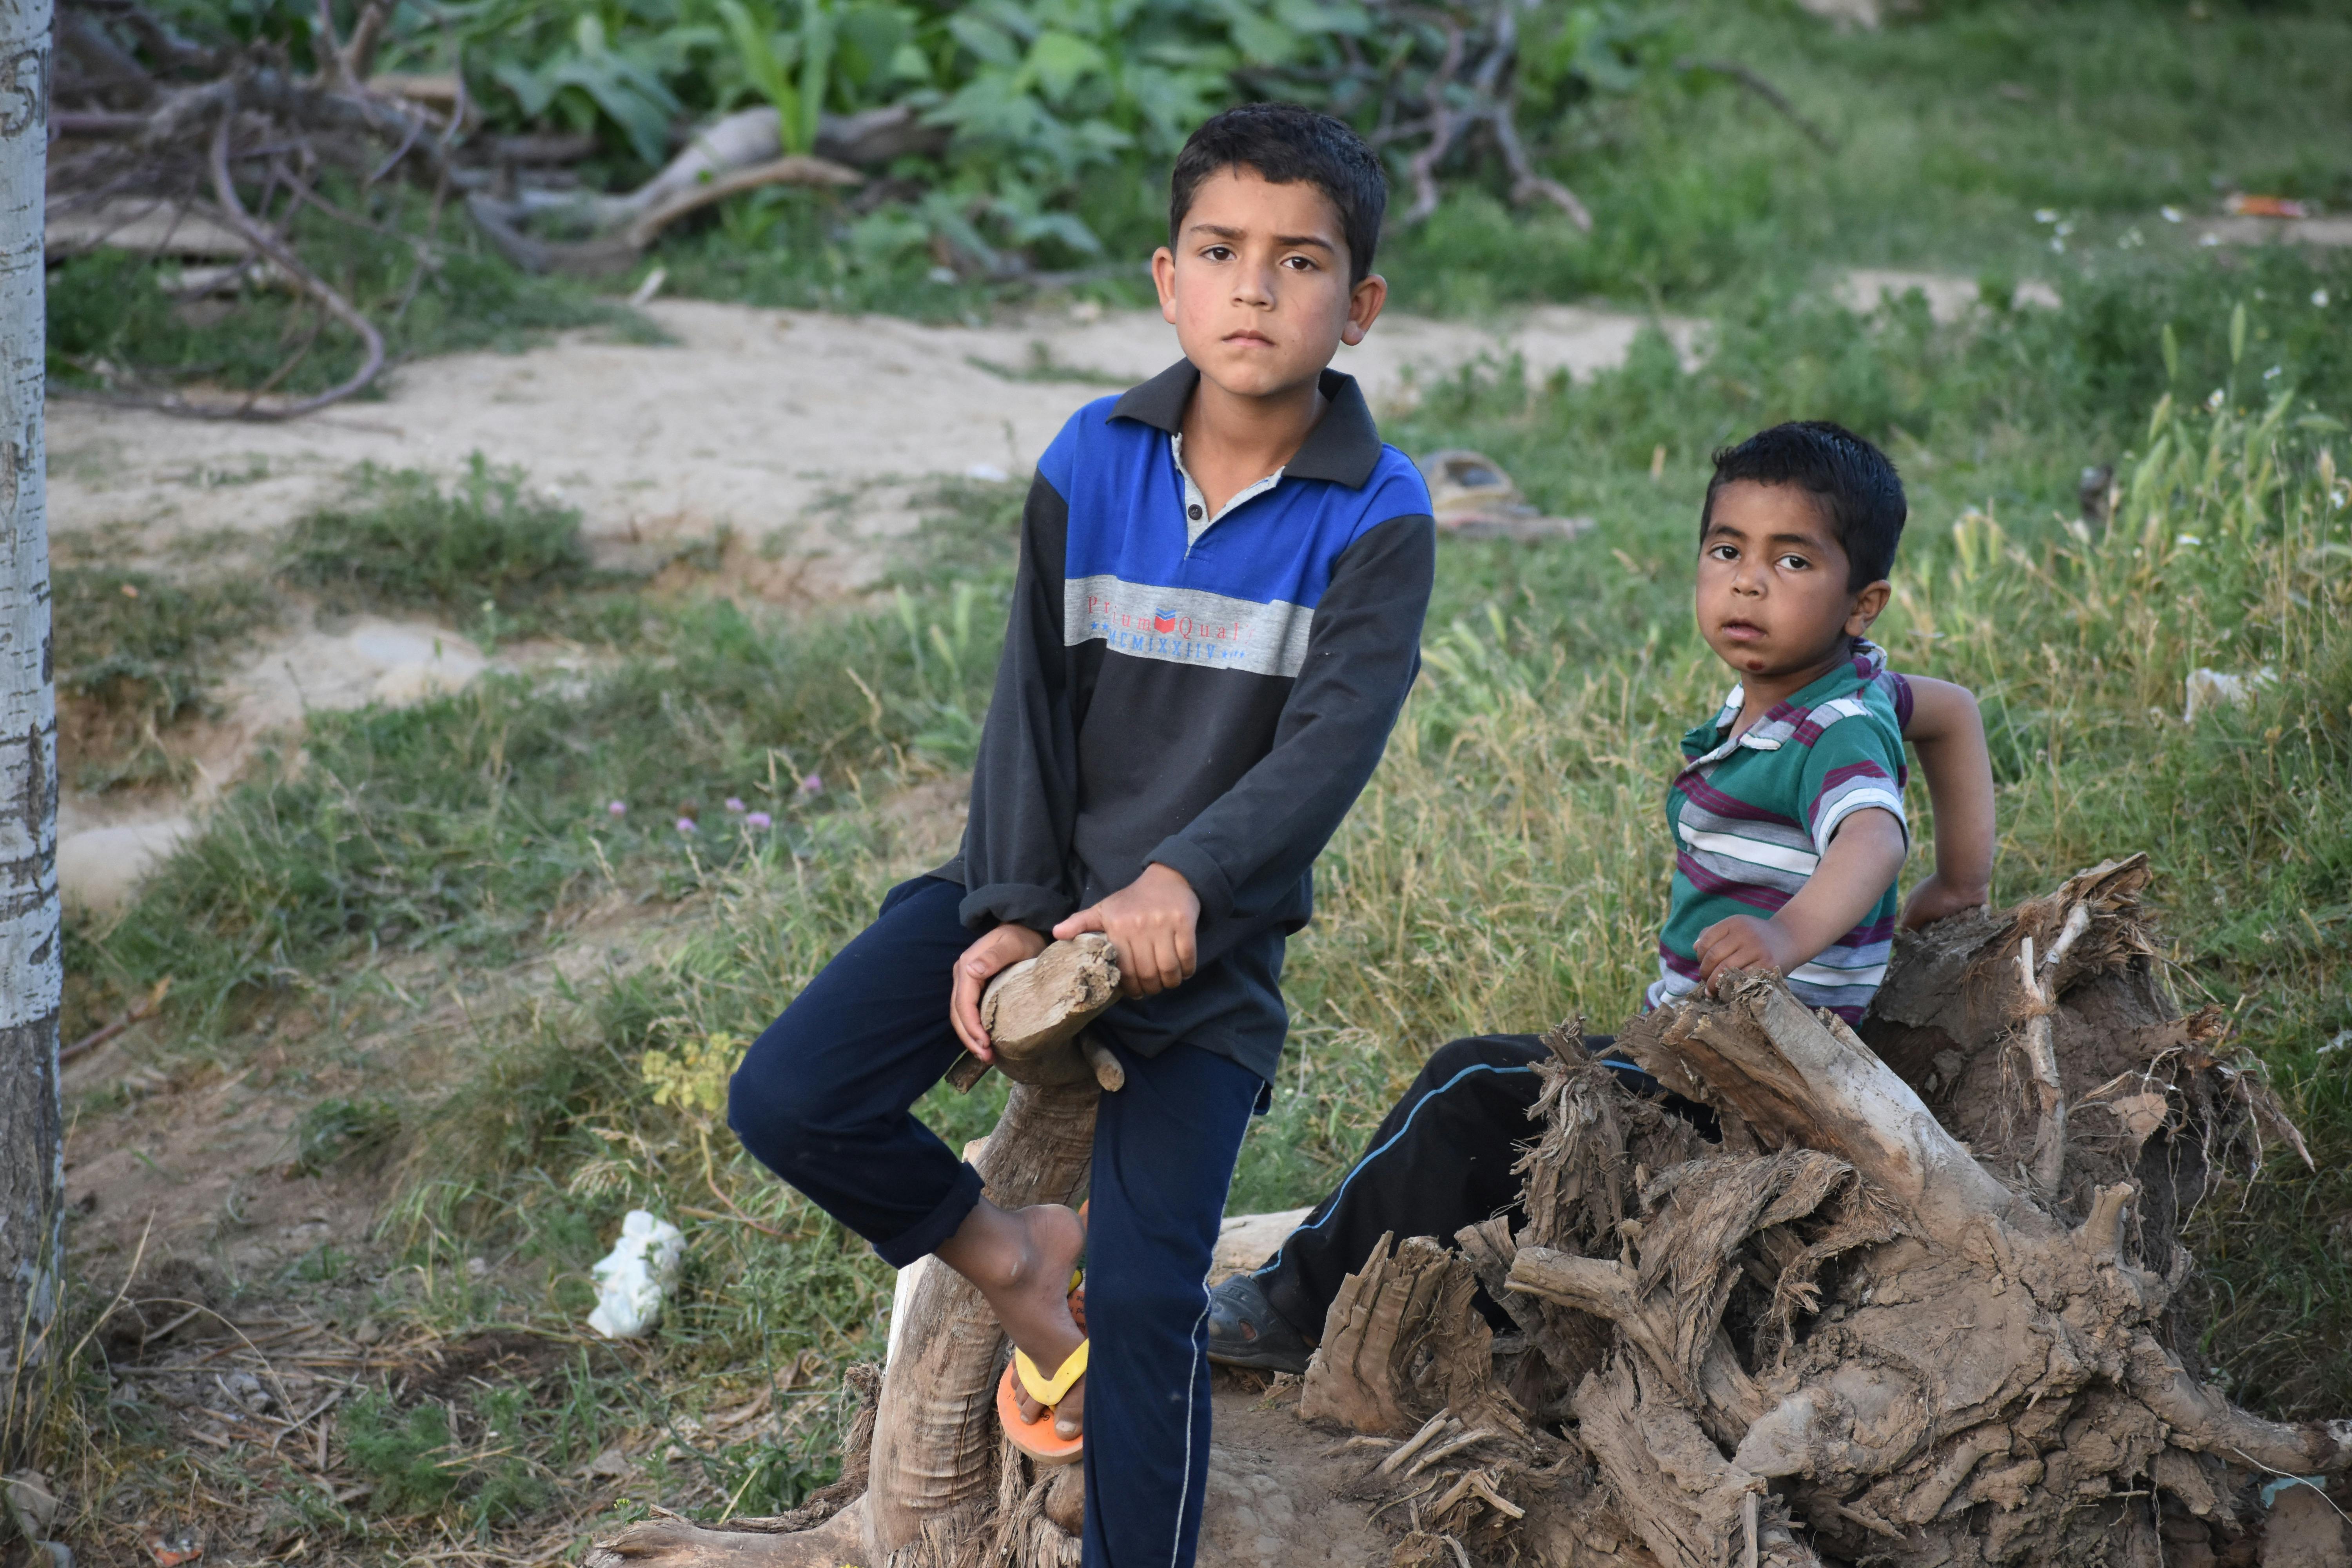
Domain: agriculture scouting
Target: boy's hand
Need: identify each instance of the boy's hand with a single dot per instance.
(1151, 921)
(1743, 942)
(1001, 949)
(1934, 898)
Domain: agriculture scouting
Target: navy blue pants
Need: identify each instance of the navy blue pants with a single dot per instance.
(822, 1099)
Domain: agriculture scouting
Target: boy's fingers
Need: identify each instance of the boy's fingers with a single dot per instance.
(1086, 920)
(1159, 970)
(963, 1011)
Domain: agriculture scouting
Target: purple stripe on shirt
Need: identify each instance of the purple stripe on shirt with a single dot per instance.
(1880, 929)
(1698, 792)
(1846, 775)
(1685, 966)
(1755, 897)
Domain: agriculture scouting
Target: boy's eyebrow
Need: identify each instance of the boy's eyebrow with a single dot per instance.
(1221, 232)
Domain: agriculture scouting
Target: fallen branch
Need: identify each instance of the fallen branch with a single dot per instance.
(1732, 71)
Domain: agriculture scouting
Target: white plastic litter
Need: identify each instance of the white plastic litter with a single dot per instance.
(632, 1278)
(2217, 689)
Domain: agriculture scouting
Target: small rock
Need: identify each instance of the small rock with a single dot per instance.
(31, 1499)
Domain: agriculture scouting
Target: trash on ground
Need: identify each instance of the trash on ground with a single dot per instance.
(175, 1550)
(1473, 498)
(632, 1279)
(2217, 689)
(2266, 206)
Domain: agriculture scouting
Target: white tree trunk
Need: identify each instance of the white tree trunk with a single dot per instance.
(31, 1179)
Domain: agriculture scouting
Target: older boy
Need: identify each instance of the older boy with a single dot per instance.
(1789, 830)
(1217, 618)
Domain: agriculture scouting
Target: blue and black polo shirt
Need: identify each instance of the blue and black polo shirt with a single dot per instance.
(1208, 694)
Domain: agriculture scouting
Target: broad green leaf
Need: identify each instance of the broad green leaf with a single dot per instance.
(1058, 61)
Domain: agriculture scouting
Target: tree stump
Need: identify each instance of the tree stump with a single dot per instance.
(1918, 1306)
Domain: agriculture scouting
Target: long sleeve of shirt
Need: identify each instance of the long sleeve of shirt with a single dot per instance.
(1016, 862)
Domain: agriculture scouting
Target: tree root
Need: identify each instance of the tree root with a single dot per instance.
(1841, 1335)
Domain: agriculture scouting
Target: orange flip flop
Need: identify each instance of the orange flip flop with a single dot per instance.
(1037, 1438)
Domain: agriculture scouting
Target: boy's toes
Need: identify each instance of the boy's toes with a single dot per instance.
(1070, 1415)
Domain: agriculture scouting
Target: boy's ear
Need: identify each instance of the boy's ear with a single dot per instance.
(1364, 302)
(1163, 278)
(1867, 606)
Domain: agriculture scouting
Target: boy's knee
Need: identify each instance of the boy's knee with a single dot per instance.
(1451, 1059)
(771, 1110)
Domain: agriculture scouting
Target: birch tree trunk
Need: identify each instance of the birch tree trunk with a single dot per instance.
(32, 1176)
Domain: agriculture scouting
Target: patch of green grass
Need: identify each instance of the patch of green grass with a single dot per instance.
(471, 821)
(136, 654)
(486, 546)
(341, 1129)
(400, 1451)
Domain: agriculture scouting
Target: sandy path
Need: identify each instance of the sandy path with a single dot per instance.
(750, 418)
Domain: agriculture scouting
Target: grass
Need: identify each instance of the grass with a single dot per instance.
(136, 654)
(1504, 869)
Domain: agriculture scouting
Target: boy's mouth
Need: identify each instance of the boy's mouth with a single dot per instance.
(1247, 339)
(1741, 631)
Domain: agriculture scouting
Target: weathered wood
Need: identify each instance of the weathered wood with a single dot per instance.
(1035, 1012)
(935, 1432)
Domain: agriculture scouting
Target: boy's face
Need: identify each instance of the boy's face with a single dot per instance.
(1257, 284)
(1772, 594)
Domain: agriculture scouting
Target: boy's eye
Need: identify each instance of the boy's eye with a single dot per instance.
(1724, 552)
(1302, 263)
(1795, 562)
(1218, 253)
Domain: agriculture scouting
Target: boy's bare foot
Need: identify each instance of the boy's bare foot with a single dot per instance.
(1022, 1259)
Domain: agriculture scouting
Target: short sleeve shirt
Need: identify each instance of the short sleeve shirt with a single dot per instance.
(1752, 815)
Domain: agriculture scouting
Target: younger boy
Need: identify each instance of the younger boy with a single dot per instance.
(1217, 618)
(1789, 830)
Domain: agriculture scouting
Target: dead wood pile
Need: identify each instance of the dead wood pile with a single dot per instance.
(1920, 1305)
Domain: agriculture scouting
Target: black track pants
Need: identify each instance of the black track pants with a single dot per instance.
(1440, 1160)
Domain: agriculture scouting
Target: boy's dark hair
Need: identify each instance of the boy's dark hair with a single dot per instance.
(1285, 144)
(1858, 489)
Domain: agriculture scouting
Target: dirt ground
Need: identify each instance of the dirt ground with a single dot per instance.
(746, 418)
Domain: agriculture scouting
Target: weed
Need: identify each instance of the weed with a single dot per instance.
(337, 1129)
(136, 654)
(400, 1451)
(399, 541)
(112, 324)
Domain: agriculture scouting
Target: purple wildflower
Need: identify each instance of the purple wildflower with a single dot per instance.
(685, 825)
(813, 785)
(759, 819)
(618, 808)
(735, 804)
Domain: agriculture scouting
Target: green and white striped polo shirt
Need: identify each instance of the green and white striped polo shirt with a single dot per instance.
(1751, 817)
